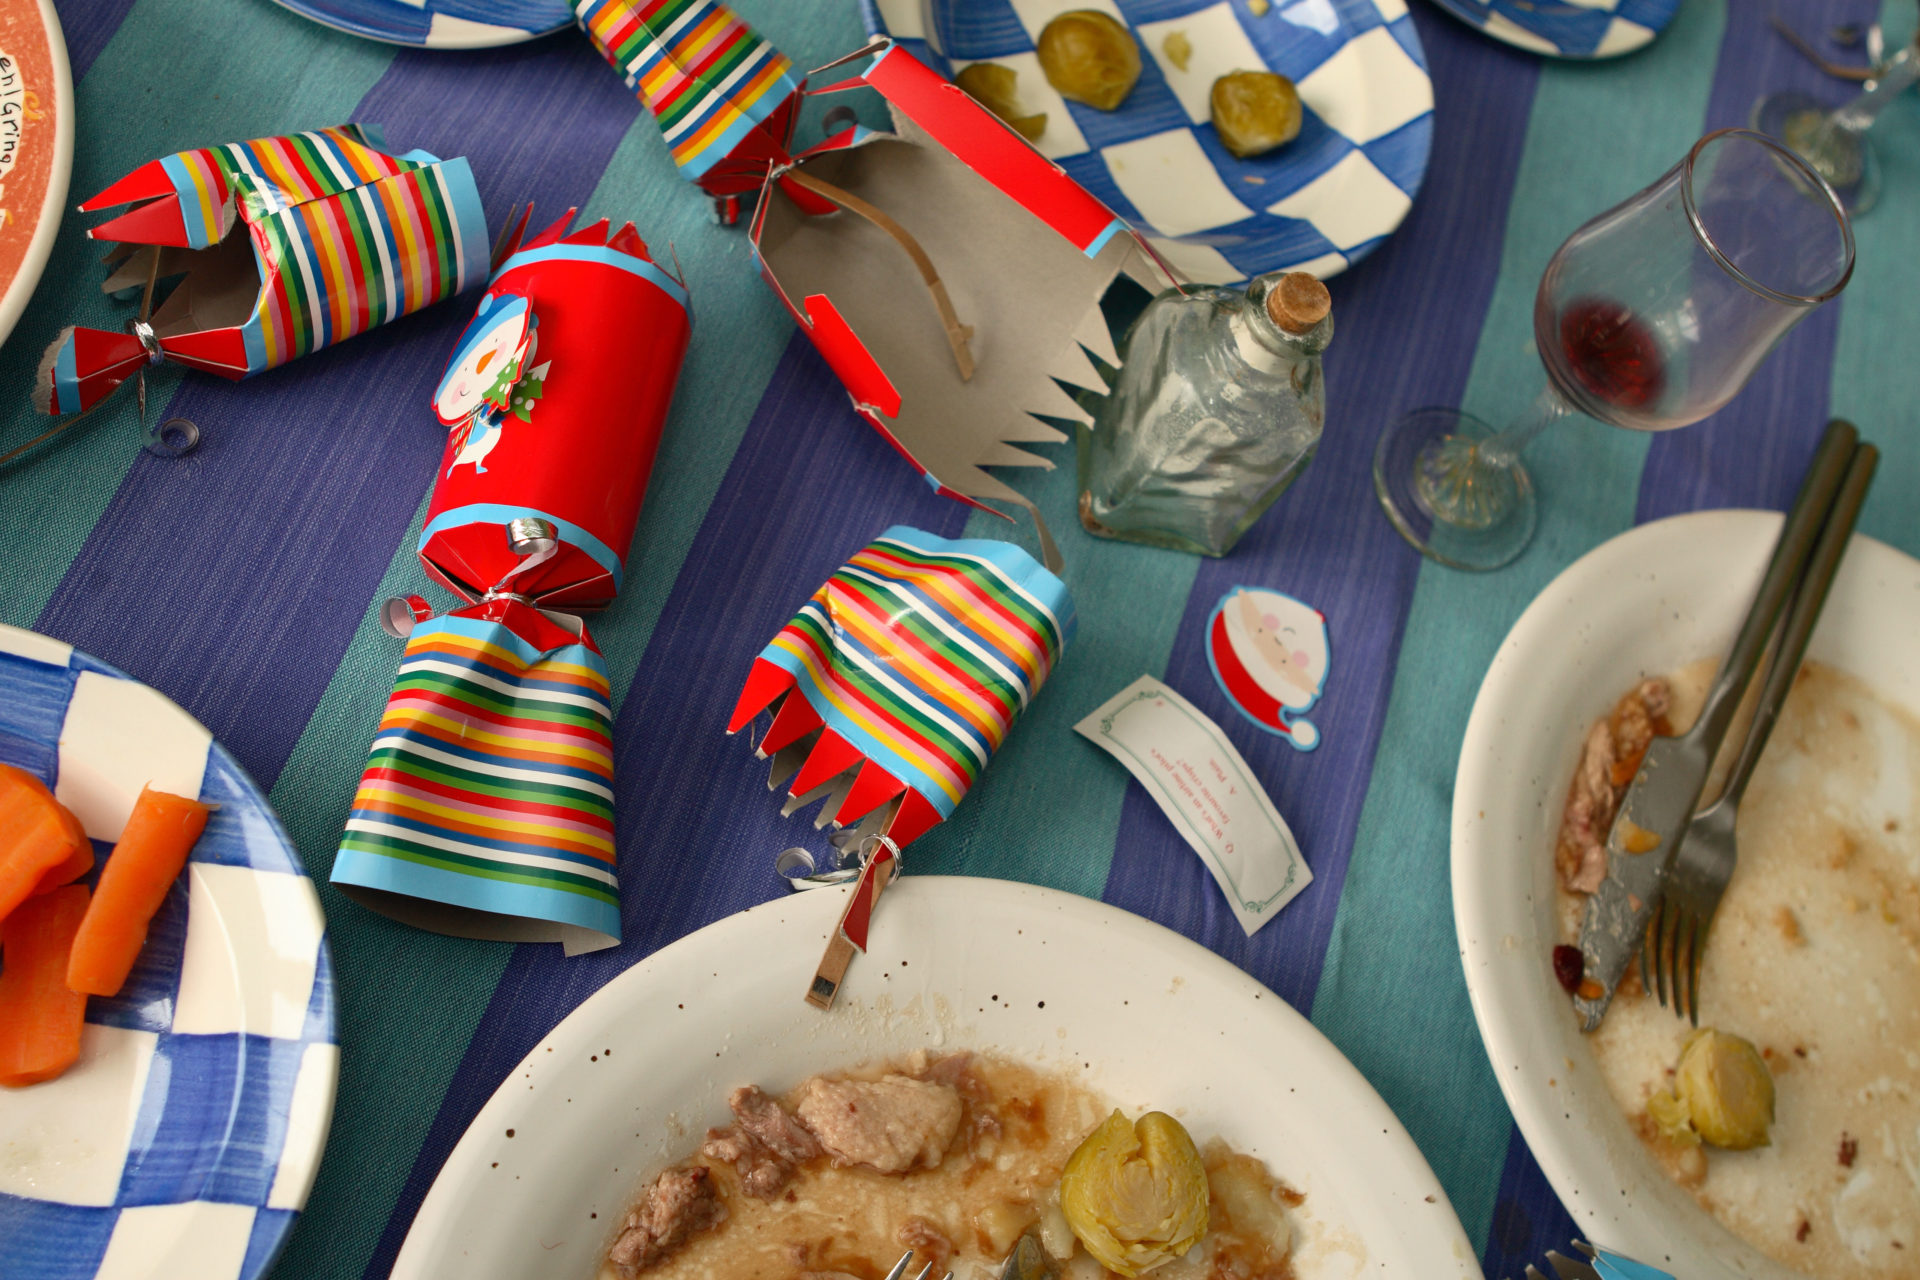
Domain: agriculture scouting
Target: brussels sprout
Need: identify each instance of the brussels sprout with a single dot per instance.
(1089, 57)
(1136, 1193)
(1255, 111)
(991, 85)
(1727, 1088)
(1722, 1094)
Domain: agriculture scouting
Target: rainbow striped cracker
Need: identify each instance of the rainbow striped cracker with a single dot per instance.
(724, 98)
(486, 808)
(345, 236)
(904, 673)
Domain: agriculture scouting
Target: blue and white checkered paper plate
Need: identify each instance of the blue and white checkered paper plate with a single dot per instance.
(439, 24)
(1316, 204)
(183, 1143)
(1567, 28)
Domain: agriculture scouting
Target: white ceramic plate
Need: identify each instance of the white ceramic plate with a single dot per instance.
(36, 99)
(182, 1144)
(630, 1079)
(1646, 603)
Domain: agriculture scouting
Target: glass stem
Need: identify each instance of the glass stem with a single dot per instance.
(1548, 408)
(1902, 71)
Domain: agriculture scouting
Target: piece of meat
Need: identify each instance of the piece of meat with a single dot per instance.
(764, 1144)
(680, 1204)
(1580, 853)
(957, 1070)
(894, 1124)
(765, 1121)
(1633, 720)
(929, 1243)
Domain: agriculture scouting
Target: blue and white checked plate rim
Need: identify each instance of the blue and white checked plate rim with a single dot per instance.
(183, 1144)
(1558, 29)
(1320, 203)
(439, 24)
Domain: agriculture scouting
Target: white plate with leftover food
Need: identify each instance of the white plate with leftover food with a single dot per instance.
(1814, 956)
(1096, 999)
(1177, 123)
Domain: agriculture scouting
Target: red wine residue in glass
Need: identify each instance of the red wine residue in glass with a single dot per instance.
(1613, 355)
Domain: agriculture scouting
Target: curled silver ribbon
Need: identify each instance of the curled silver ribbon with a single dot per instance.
(536, 541)
(801, 871)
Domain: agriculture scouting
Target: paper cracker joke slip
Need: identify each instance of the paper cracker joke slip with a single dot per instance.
(1201, 783)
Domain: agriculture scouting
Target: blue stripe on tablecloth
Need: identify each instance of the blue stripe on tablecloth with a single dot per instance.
(808, 486)
(1528, 1218)
(1391, 994)
(1409, 340)
(324, 459)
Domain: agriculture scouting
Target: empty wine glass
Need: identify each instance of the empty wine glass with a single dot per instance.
(1651, 316)
(1835, 142)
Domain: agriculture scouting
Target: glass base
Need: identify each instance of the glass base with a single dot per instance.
(1847, 160)
(1448, 496)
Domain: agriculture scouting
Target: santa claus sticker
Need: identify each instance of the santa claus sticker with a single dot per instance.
(1269, 652)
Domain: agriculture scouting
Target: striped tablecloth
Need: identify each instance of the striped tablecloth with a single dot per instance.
(242, 580)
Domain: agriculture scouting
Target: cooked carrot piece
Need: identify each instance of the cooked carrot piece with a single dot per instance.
(142, 867)
(39, 840)
(40, 1018)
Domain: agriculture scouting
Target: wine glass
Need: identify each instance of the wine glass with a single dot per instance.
(1651, 316)
(1835, 142)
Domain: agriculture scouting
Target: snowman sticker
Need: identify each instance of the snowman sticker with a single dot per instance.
(491, 378)
(1269, 653)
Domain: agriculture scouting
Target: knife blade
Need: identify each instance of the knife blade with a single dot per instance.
(1653, 816)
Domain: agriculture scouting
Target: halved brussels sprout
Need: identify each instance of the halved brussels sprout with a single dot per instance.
(1135, 1193)
(1255, 111)
(1722, 1093)
(1089, 57)
(992, 86)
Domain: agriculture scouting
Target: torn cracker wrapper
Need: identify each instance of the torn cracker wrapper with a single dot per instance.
(486, 808)
(957, 317)
(892, 688)
(340, 234)
(725, 99)
(556, 396)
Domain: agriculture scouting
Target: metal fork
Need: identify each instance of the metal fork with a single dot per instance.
(906, 1260)
(1603, 1264)
(1676, 934)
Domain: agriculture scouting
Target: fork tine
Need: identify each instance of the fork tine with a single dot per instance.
(899, 1271)
(1682, 937)
(1669, 950)
(1695, 950)
(1533, 1273)
(1655, 979)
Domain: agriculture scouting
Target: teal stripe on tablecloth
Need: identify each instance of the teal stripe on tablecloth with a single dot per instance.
(1392, 995)
(1876, 378)
(1130, 600)
(159, 86)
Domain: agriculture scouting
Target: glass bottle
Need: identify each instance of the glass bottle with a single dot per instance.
(1217, 408)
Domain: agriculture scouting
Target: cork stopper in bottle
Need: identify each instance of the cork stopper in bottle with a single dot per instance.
(1298, 302)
